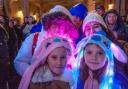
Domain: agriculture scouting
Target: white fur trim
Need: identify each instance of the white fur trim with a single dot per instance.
(44, 76)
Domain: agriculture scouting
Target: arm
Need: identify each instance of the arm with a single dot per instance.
(24, 56)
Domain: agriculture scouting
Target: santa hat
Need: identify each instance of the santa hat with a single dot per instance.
(93, 17)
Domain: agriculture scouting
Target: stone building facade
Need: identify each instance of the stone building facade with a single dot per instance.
(20, 8)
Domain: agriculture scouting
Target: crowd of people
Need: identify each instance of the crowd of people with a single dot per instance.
(65, 49)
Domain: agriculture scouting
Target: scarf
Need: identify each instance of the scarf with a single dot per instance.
(91, 82)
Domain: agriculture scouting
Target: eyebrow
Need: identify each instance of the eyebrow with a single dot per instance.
(96, 24)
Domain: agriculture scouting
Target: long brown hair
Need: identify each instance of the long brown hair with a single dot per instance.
(97, 74)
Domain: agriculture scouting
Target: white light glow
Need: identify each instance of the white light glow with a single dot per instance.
(20, 14)
(110, 6)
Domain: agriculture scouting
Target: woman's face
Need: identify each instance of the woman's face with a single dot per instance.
(100, 12)
(111, 17)
(94, 57)
(91, 28)
(30, 20)
(26, 19)
(11, 24)
(77, 21)
(57, 60)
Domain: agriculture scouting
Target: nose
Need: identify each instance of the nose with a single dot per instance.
(92, 30)
(59, 61)
(94, 57)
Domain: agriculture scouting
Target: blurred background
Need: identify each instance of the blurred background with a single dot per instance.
(35, 8)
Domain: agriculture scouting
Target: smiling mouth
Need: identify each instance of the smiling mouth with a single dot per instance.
(94, 62)
(60, 67)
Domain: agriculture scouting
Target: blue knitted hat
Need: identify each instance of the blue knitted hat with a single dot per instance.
(79, 10)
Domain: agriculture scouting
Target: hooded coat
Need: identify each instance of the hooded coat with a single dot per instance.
(119, 25)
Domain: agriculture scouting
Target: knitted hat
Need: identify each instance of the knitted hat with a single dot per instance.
(79, 10)
(59, 8)
(93, 16)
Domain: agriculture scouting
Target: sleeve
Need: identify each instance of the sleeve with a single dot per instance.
(24, 56)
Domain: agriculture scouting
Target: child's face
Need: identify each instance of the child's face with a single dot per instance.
(91, 28)
(57, 60)
(94, 56)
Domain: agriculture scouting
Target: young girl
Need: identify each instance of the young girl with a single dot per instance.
(96, 65)
(50, 71)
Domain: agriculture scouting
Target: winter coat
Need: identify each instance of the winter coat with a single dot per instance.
(12, 43)
(119, 82)
(27, 29)
(19, 33)
(56, 84)
(81, 35)
(3, 42)
(4, 56)
(24, 57)
(119, 25)
(40, 76)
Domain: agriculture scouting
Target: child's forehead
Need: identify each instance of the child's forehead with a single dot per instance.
(93, 23)
(93, 46)
(59, 49)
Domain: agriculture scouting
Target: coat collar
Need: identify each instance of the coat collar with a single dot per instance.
(41, 76)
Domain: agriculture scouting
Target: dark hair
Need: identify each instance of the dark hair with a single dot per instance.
(119, 25)
(109, 34)
(101, 7)
(51, 18)
(84, 71)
